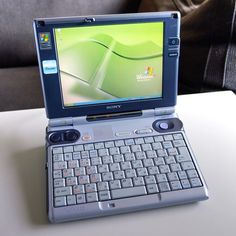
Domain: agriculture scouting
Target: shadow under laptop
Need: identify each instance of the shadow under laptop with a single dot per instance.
(30, 167)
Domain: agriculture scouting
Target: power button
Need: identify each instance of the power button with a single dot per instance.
(173, 41)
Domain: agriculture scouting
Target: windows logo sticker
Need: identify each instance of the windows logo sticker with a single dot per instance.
(147, 75)
(49, 67)
(45, 40)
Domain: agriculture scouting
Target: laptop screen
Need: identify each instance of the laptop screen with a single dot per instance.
(109, 63)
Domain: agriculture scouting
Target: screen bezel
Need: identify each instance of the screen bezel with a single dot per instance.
(51, 82)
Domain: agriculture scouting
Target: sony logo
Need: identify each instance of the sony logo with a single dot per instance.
(113, 107)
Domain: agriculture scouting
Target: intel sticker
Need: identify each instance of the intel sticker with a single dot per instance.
(49, 67)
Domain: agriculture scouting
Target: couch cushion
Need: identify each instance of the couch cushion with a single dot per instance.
(16, 40)
(208, 38)
(20, 88)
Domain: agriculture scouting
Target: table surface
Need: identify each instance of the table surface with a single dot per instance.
(209, 121)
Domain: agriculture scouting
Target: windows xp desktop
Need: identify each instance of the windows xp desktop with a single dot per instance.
(106, 63)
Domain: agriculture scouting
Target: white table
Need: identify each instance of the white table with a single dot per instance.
(210, 123)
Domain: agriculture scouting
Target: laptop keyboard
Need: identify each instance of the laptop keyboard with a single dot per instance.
(102, 171)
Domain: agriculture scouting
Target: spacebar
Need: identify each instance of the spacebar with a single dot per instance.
(128, 192)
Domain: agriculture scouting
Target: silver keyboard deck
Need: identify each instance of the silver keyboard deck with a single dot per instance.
(122, 168)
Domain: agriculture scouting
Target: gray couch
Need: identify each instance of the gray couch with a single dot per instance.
(20, 86)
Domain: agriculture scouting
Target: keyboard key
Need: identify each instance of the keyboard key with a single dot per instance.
(141, 171)
(172, 151)
(136, 148)
(57, 174)
(84, 154)
(80, 171)
(130, 173)
(148, 162)
(129, 142)
(96, 161)
(76, 155)
(157, 145)
(161, 178)
(83, 179)
(90, 188)
(114, 151)
(84, 162)
(185, 183)
(80, 198)
(58, 157)
(192, 173)
(103, 152)
(126, 183)
(91, 170)
(59, 201)
(95, 178)
(172, 176)
(78, 148)
(175, 185)
(168, 137)
(159, 161)
(118, 158)
(129, 156)
(114, 184)
(188, 165)
(164, 169)
(99, 145)
(146, 147)
(177, 136)
(124, 149)
(114, 166)
(107, 159)
(128, 192)
(70, 181)
(179, 143)
(71, 200)
(138, 181)
(57, 150)
(59, 183)
(152, 188)
(68, 156)
(139, 141)
(152, 170)
(107, 176)
(63, 191)
(195, 182)
(68, 173)
(169, 160)
(158, 138)
(161, 152)
(102, 186)
(167, 144)
(140, 155)
(78, 189)
(68, 149)
(103, 168)
(150, 179)
(119, 143)
(137, 164)
(182, 158)
(125, 165)
(88, 147)
(93, 153)
(119, 174)
(182, 175)
(151, 154)
(164, 187)
(109, 144)
(60, 165)
(104, 195)
(148, 140)
(175, 167)
(73, 164)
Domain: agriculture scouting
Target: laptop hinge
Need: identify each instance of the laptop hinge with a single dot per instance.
(67, 121)
(164, 111)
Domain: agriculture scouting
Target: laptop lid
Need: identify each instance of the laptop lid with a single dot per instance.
(107, 64)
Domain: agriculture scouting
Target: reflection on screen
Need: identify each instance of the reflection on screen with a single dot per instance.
(110, 62)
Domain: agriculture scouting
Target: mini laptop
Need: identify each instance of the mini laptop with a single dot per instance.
(114, 143)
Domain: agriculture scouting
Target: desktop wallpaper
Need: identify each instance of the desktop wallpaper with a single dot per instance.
(110, 62)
